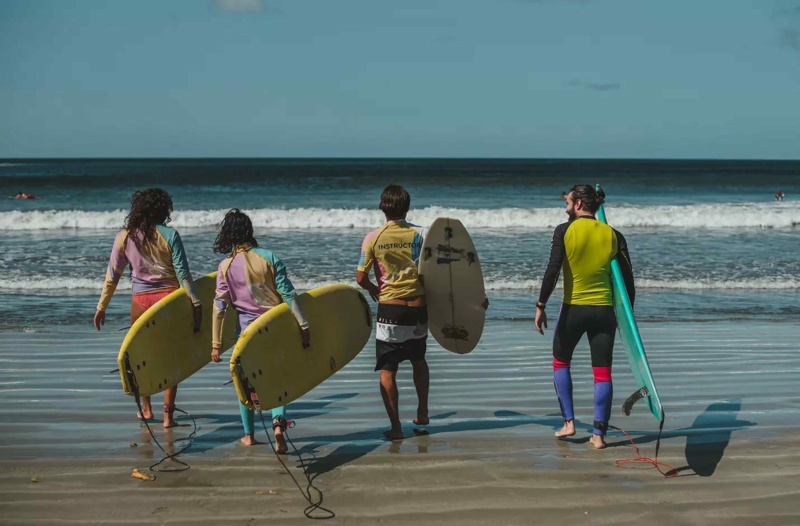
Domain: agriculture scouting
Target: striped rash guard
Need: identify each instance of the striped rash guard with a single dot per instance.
(156, 264)
(253, 280)
(395, 247)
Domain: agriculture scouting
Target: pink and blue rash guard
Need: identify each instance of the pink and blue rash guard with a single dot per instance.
(156, 264)
(394, 249)
(253, 280)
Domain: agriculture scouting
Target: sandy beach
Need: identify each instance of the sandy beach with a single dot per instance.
(729, 392)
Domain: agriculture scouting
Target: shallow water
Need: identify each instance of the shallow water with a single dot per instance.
(717, 380)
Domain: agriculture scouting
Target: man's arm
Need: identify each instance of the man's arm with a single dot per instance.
(625, 266)
(365, 262)
(362, 278)
(557, 254)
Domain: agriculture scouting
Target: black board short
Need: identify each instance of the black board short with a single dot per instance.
(402, 334)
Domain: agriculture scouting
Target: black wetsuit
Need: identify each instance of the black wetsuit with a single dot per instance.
(583, 248)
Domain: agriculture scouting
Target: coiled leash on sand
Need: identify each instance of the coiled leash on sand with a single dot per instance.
(671, 472)
(134, 385)
(312, 505)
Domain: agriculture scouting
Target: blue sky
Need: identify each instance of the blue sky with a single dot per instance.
(413, 78)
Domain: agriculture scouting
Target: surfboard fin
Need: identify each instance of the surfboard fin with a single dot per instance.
(130, 376)
(249, 392)
(632, 399)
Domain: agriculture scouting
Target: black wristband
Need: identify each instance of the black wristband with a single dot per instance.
(540, 305)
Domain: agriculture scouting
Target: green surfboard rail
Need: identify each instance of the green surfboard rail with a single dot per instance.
(631, 339)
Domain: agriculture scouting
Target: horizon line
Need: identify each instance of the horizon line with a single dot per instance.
(423, 158)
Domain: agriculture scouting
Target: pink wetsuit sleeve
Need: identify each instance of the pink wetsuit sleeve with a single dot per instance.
(116, 266)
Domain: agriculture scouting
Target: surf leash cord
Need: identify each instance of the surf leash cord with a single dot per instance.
(134, 386)
(251, 394)
(312, 505)
(671, 471)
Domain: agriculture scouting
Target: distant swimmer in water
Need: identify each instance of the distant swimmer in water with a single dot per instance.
(779, 196)
(563, 196)
(23, 195)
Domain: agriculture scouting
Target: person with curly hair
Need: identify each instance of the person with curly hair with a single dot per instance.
(584, 248)
(158, 265)
(254, 280)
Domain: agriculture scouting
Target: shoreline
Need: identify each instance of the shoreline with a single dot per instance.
(729, 393)
(484, 480)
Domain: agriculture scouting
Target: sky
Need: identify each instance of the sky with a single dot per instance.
(412, 78)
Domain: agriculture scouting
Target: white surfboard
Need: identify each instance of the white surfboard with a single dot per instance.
(451, 274)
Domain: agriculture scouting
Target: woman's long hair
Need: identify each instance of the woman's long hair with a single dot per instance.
(236, 229)
(149, 207)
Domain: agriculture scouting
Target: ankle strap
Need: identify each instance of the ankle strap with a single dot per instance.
(282, 423)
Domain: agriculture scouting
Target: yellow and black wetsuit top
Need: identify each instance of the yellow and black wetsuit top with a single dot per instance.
(584, 247)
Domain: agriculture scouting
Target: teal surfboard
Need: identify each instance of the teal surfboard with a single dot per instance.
(632, 341)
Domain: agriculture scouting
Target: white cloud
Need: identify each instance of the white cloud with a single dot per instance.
(240, 6)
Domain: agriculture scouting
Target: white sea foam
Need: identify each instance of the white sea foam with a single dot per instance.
(57, 283)
(747, 215)
(769, 283)
(71, 284)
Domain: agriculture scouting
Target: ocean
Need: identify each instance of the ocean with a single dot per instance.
(716, 260)
(707, 239)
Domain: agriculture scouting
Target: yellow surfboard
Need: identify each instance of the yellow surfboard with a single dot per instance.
(161, 350)
(269, 358)
(451, 274)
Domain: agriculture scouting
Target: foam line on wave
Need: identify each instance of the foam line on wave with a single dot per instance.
(721, 216)
(34, 283)
(777, 282)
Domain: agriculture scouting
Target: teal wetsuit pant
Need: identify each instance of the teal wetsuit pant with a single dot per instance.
(248, 415)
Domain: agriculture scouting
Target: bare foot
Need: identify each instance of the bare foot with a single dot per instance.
(567, 431)
(169, 421)
(420, 421)
(598, 441)
(144, 415)
(249, 440)
(280, 442)
(393, 434)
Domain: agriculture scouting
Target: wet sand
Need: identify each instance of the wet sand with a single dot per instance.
(729, 391)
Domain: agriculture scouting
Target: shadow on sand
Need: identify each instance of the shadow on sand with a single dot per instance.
(358, 444)
(230, 430)
(706, 439)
